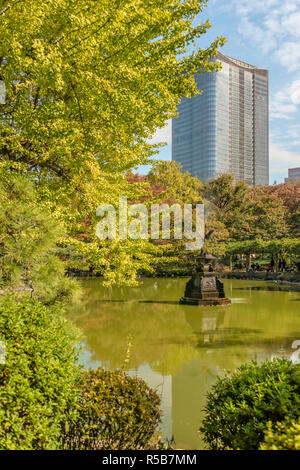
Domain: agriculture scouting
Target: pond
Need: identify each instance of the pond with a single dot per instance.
(180, 349)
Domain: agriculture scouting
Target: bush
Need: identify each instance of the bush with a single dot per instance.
(240, 406)
(38, 380)
(285, 436)
(115, 412)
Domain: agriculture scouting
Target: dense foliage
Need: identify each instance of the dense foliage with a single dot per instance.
(115, 412)
(38, 380)
(88, 83)
(284, 248)
(172, 185)
(246, 212)
(289, 194)
(239, 406)
(282, 436)
(289, 246)
(29, 261)
(246, 220)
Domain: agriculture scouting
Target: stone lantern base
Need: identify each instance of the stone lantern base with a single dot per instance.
(204, 288)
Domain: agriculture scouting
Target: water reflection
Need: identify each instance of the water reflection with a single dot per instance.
(180, 348)
(272, 287)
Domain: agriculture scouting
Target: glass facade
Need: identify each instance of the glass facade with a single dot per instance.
(294, 175)
(225, 128)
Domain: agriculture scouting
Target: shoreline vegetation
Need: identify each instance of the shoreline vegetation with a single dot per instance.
(289, 278)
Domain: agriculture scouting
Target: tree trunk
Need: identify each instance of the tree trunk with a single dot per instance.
(276, 263)
(248, 262)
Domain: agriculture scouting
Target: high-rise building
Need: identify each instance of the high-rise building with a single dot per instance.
(226, 128)
(294, 175)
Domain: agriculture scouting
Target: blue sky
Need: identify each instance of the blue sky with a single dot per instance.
(265, 33)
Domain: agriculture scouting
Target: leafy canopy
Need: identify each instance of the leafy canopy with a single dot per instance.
(247, 213)
(88, 83)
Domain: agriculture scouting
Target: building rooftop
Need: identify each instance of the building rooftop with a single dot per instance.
(239, 63)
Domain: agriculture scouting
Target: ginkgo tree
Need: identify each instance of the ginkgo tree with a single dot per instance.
(87, 85)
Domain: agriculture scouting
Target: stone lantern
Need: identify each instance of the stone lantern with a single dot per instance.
(204, 288)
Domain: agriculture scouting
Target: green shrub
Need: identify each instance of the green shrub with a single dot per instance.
(284, 436)
(116, 412)
(240, 406)
(38, 380)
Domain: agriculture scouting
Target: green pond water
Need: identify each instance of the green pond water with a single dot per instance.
(179, 349)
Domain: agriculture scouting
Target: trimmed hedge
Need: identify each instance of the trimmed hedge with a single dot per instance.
(116, 412)
(283, 436)
(38, 381)
(239, 406)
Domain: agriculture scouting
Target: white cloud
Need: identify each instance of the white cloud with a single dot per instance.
(244, 7)
(282, 159)
(291, 6)
(273, 27)
(291, 23)
(290, 135)
(289, 55)
(294, 131)
(284, 102)
(260, 36)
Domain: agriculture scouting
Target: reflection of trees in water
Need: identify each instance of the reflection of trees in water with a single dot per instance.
(273, 288)
(160, 334)
(210, 332)
(166, 335)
